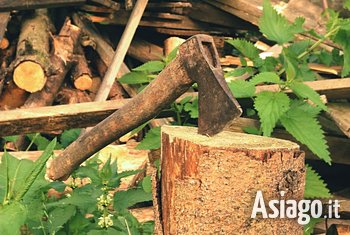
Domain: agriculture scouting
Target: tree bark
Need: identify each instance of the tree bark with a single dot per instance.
(32, 64)
(209, 184)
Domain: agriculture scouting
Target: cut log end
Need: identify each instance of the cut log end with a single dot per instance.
(83, 82)
(227, 139)
(29, 76)
(4, 43)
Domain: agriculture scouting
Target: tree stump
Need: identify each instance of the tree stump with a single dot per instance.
(209, 184)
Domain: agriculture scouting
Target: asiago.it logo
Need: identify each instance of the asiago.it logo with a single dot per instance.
(304, 210)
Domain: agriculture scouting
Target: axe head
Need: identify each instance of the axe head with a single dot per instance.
(217, 106)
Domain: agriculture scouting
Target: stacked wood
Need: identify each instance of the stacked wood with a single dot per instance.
(62, 60)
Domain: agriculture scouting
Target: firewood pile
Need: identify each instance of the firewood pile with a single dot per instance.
(54, 56)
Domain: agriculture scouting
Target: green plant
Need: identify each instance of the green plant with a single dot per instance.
(90, 206)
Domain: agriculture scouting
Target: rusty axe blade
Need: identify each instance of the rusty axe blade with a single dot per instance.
(197, 61)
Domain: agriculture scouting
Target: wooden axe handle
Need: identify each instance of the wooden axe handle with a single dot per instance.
(172, 82)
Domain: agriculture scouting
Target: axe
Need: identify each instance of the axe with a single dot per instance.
(198, 62)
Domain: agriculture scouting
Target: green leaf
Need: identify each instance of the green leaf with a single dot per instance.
(84, 198)
(36, 170)
(106, 171)
(78, 224)
(12, 138)
(276, 27)
(151, 140)
(304, 91)
(90, 172)
(347, 4)
(342, 38)
(12, 217)
(264, 77)
(306, 73)
(171, 55)
(134, 78)
(4, 179)
(147, 184)
(270, 106)
(59, 216)
(315, 187)
(126, 199)
(304, 126)
(241, 88)
(291, 67)
(69, 136)
(108, 231)
(252, 130)
(192, 108)
(115, 181)
(296, 48)
(309, 228)
(246, 48)
(151, 67)
(269, 64)
(237, 72)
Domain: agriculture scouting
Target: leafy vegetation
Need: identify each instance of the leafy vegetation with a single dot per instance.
(88, 204)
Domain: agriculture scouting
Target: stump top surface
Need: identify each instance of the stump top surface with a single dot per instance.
(227, 139)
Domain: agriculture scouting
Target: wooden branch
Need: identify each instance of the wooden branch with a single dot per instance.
(170, 22)
(4, 19)
(340, 112)
(61, 59)
(72, 96)
(9, 5)
(81, 74)
(331, 88)
(53, 118)
(144, 51)
(32, 64)
(120, 52)
(108, 3)
(202, 171)
(339, 153)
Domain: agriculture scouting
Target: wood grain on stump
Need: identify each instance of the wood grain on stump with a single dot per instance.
(209, 184)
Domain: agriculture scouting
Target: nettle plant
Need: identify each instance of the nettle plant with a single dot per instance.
(289, 70)
(87, 204)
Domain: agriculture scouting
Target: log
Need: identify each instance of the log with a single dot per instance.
(12, 97)
(340, 112)
(209, 184)
(171, 43)
(54, 118)
(62, 60)
(81, 74)
(338, 146)
(144, 51)
(9, 5)
(32, 64)
(331, 88)
(4, 19)
(72, 96)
